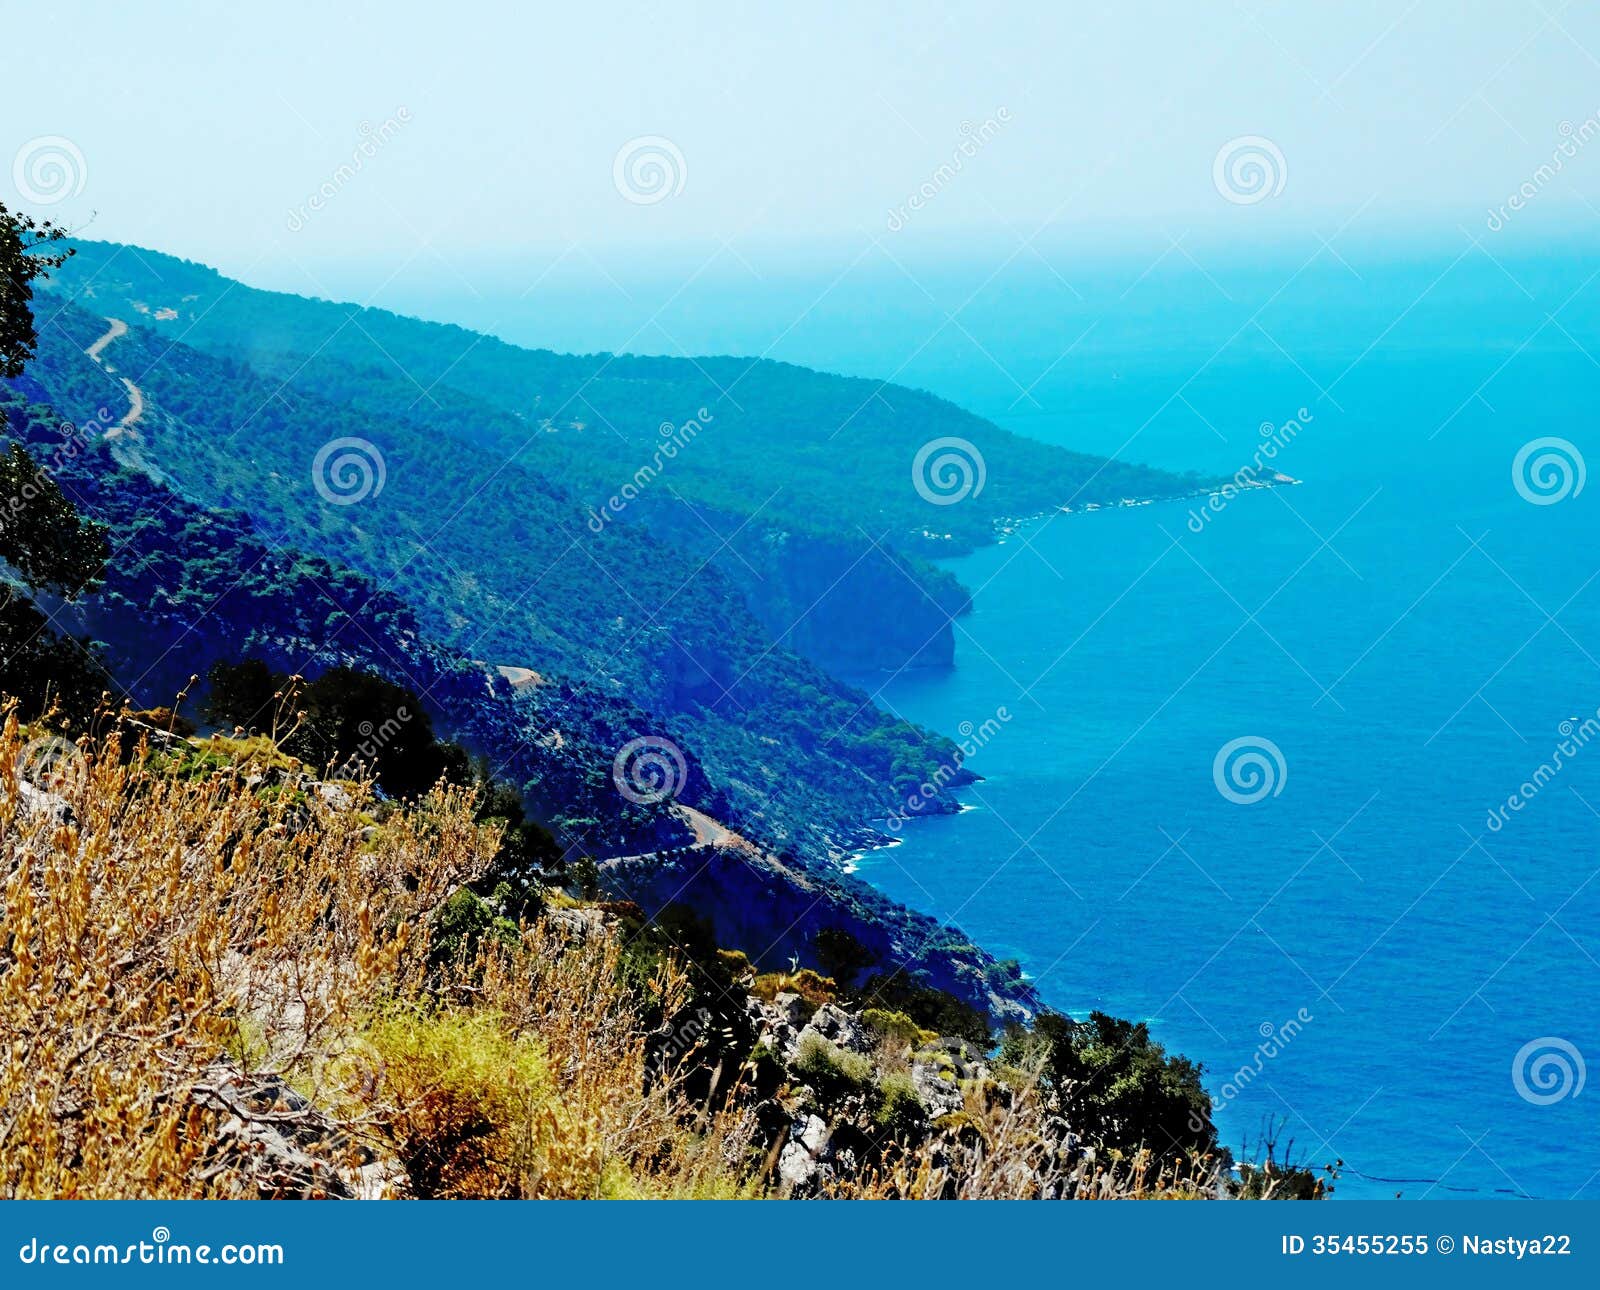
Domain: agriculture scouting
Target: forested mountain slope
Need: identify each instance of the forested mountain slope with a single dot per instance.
(499, 564)
(800, 486)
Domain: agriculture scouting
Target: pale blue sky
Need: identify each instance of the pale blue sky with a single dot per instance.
(202, 128)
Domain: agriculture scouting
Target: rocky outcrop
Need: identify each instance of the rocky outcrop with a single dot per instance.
(285, 1147)
(850, 1097)
(775, 911)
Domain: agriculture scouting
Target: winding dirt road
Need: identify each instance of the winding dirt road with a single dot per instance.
(135, 394)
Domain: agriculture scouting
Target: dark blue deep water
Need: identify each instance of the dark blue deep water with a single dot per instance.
(1403, 627)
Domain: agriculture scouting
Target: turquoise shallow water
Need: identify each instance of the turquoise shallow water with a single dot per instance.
(1404, 628)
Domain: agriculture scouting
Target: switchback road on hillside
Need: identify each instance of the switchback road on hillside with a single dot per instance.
(135, 394)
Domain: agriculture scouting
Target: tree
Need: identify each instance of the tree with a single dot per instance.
(42, 536)
(1114, 1085)
(355, 722)
(43, 539)
(842, 956)
(29, 249)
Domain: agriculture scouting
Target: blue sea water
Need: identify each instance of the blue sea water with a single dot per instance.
(1404, 628)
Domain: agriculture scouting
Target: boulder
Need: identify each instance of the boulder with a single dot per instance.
(801, 1159)
(839, 1028)
(285, 1146)
(938, 1093)
(37, 801)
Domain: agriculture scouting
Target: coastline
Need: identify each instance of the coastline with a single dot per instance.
(1006, 527)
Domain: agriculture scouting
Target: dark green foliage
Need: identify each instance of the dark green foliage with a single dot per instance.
(929, 1008)
(1114, 1084)
(1269, 1176)
(673, 604)
(842, 956)
(42, 536)
(43, 669)
(461, 923)
(831, 1072)
(586, 877)
(353, 722)
(779, 427)
(516, 577)
(43, 539)
(29, 249)
(528, 850)
(359, 723)
(51, 548)
(185, 585)
(710, 1038)
(1004, 972)
(900, 1114)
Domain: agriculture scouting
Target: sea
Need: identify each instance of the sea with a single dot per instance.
(1307, 777)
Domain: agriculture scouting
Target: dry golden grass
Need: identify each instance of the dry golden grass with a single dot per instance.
(159, 924)
(166, 917)
(164, 922)
(523, 1076)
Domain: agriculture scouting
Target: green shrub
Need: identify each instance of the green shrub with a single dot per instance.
(1115, 1084)
(830, 1071)
(464, 920)
(930, 1008)
(465, 1094)
(893, 1027)
(900, 1113)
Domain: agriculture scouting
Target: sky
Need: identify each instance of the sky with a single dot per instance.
(499, 133)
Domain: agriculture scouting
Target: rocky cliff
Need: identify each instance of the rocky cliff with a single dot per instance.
(850, 603)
